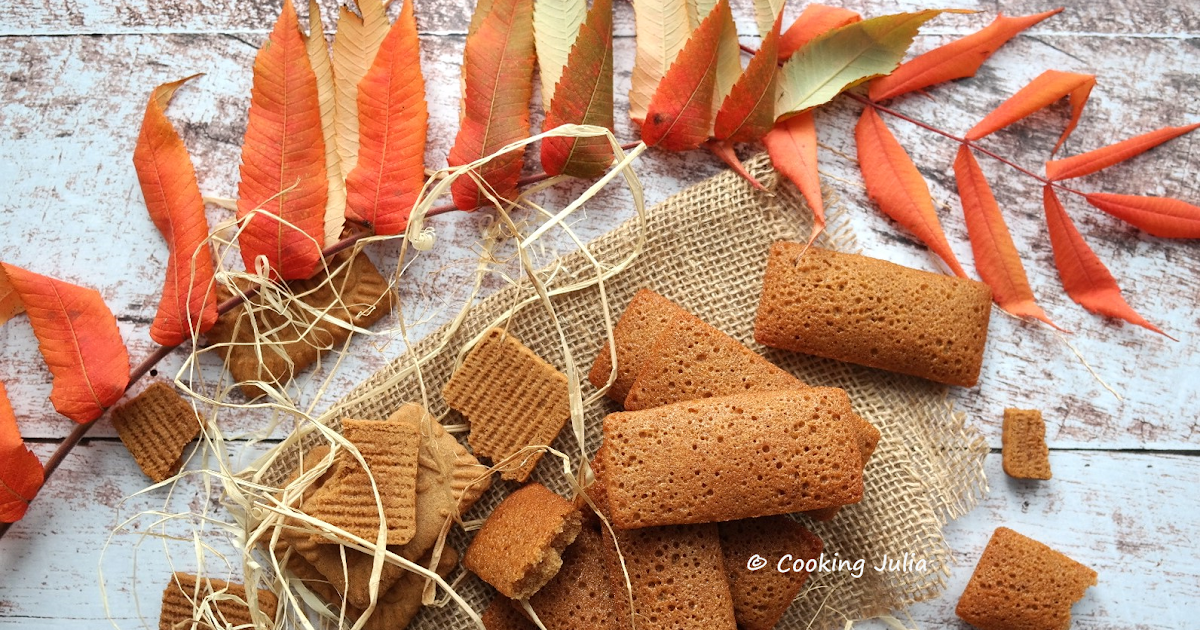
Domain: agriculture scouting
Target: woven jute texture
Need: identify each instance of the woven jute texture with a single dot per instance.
(707, 249)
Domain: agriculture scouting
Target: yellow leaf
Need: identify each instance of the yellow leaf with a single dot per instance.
(662, 30)
(555, 27)
(764, 14)
(10, 301)
(318, 56)
(354, 48)
(729, 57)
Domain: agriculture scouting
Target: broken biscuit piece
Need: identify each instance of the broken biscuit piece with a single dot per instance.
(156, 426)
(519, 548)
(226, 604)
(1024, 449)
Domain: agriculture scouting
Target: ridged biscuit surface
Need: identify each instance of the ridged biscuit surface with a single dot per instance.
(1021, 584)
(761, 597)
(182, 595)
(156, 426)
(647, 315)
(512, 398)
(519, 548)
(347, 500)
(874, 313)
(722, 459)
(1024, 444)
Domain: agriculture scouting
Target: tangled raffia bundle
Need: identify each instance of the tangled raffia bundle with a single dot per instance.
(704, 248)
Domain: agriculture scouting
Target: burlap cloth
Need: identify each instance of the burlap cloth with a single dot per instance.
(707, 249)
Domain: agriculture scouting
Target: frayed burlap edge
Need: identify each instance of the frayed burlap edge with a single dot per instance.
(707, 249)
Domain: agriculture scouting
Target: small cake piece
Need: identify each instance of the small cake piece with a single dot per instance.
(580, 597)
(1021, 584)
(692, 360)
(227, 604)
(298, 339)
(874, 313)
(1024, 441)
(723, 459)
(761, 597)
(512, 398)
(449, 479)
(346, 499)
(502, 614)
(156, 426)
(647, 315)
(519, 547)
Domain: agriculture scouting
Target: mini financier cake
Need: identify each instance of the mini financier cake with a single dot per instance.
(1024, 441)
(513, 399)
(1021, 584)
(580, 597)
(722, 459)
(647, 315)
(519, 548)
(874, 313)
(761, 597)
(156, 426)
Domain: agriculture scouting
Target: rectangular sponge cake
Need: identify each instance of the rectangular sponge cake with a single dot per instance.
(874, 313)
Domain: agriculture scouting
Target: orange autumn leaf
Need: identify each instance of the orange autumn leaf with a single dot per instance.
(680, 115)
(1041, 92)
(894, 183)
(815, 20)
(996, 257)
(748, 113)
(583, 96)
(1104, 157)
(10, 300)
(959, 59)
(283, 158)
(1084, 277)
(168, 181)
(21, 473)
(792, 145)
(724, 150)
(1158, 216)
(387, 178)
(79, 341)
(498, 79)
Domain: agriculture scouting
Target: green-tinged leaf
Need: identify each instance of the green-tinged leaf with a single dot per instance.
(748, 113)
(662, 31)
(845, 57)
(729, 55)
(555, 26)
(814, 21)
(584, 95)
(318, 57)
(765, 12)
(681, 113)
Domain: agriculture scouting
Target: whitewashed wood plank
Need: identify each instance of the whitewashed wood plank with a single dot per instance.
(1106, 510)
(1145, 18)
(69, 157)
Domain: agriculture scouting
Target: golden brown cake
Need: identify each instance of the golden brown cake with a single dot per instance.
(761, 597)
(647, 315)
(580, 597)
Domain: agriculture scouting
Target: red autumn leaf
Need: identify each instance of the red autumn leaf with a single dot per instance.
(1085, 278)
(1104, 157)
(748, 113)
(168, 181)
(724, 150)
(1041, 92)
(498, 83)
(996, 257)
(1159, 216)
(894, 183)
(792, 145)
(283, 158)
(21, 474)
(387, 178)
(680, 115)
(815, 20)
(959, 59)
(583, 96)
(78, 338)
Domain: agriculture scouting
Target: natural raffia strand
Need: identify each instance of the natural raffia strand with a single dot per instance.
(707, 249)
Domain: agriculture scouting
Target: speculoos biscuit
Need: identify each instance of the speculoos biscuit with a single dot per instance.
(1024, 449)
(156, 425)
(185, 591)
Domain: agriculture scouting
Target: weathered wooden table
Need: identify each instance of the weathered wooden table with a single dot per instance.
(74, 77)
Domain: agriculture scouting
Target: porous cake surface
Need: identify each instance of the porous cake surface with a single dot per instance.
(761, 597)
(874, 313)
(347, 500)
(580, 597)
(518, 549)
(692, 360)
(184, 591)
(1021, 584)
(502, 614)
(1024, 451)
(729, 458)
(512, 398)
(156, 425)
(647, 315)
